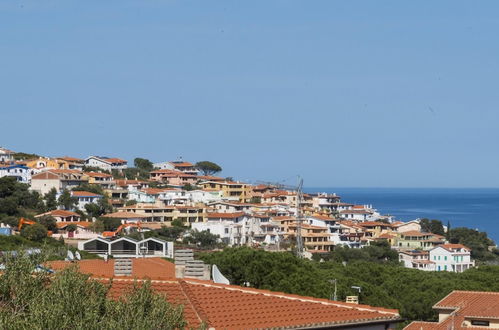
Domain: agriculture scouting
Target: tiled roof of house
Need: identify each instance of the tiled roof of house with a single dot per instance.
(451, 247)
(84, 224)
(153, 268)
(124, 215)
(84, 194)
(98, 175)
(59, 213)
(415, 233)
(374, 223)
(71, 159)
(222, 306)
(466, 305)
(216, 215)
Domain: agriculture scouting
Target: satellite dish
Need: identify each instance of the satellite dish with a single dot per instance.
(77, 255)
(217, 276)
(71, 256)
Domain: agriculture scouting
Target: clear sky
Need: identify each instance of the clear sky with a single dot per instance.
(344, 93)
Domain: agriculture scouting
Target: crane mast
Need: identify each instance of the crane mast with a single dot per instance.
(299, 218)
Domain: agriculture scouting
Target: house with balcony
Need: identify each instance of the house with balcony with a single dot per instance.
(173, 177)
(416, 240)
(231, 190)
(84, 198)
(6, 155)
(416, 259)
(20, 172)
(158, 212)
(106, 181)
(178, 165)
(73, 163)
(357, 214)
(44, 181)
(451, 258)
(61, 216)
(106, 163)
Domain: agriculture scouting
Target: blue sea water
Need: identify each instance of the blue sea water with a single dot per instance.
(476, 208)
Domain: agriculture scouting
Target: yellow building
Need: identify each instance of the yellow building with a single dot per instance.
(230, 189)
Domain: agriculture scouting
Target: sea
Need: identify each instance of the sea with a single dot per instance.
(476, 208)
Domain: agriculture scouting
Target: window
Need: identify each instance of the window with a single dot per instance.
(226, 230)
(445, 258)
(445, 267)
(480, 322)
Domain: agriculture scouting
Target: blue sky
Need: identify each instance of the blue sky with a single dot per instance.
(344, 93)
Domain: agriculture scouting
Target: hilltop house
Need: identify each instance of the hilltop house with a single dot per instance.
(173, 177)
(106, 163)
(179, 165)
(6, 155)
(58, 179)
(20, 172)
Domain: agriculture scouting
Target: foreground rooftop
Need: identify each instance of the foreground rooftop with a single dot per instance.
(234, 307)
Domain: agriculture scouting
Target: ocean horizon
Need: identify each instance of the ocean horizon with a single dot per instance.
(476, 208)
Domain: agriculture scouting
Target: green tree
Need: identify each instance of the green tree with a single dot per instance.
(208, 168)
(203, 239)
(171, 233)
(35, 232)
(144, 164)
(255, 200)
(36, 300)
(67, 201)
(188, 187)
(477, 241)
(72, 227)
(50, 199)
(48, 222)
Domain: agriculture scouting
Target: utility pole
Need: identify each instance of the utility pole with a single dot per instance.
(299, 218)
(334, 296)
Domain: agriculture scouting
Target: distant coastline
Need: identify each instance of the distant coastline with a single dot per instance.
(476, 208)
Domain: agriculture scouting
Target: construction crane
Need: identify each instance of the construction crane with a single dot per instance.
(299, 213)
(24, 221)
(120, 228)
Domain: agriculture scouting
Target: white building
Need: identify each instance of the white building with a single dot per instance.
(240, 229)
(84, 198)
(416, 259)
(106, 163)
(203, 196)
(128, 248)
(452, 258)
(20, 172)
(178, 165)
(6, 155)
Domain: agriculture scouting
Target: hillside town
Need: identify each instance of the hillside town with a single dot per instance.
(103, 207)
(264, 215)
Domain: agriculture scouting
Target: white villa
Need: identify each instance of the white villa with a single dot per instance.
(452, 258)
(106, 163)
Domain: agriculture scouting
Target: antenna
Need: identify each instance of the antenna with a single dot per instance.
(299, 219)
(77, 255)
(70, 256)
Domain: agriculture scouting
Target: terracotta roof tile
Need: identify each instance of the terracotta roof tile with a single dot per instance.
(465, 305)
